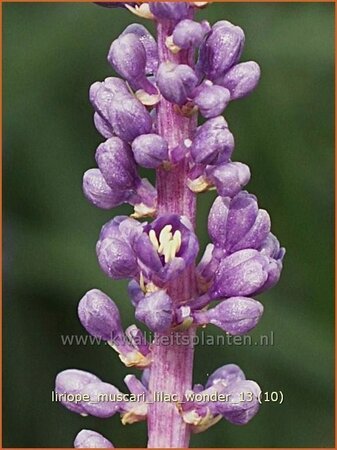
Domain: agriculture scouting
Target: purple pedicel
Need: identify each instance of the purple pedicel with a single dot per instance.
(149, 119)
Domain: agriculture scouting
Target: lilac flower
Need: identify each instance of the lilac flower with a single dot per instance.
(176, 82)
(166, 248)
(150, 150)
(170, 10)
(99, 315)
(221, 49)
(91, 439)
(213, 142)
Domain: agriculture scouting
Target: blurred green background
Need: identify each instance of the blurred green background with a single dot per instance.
(284, 131)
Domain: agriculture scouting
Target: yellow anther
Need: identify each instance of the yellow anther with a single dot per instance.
(153, 239)
(168, 244)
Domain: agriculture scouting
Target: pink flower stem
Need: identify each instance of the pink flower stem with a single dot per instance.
(172, 367)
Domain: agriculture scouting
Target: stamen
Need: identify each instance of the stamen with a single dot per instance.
(153, 239)
(168, 244)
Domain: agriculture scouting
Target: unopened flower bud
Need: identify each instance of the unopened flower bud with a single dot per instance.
(238, 223)
(245, 273)
(91, 439)
(73, 381)
(116, 163)
(236, 315)
(149, 44)
(227, 374)
(220, 50)
(228, 178)
(189, 34)
(243, 402)
(212, 100)
(170, 10)
(99, 315)
(98, 192)
(156, 311)
(150, 150)
(102, 126)
(101, 400)
(213, 142)
(128, 117)
(176, 82)
(241, 79)
(102, 93)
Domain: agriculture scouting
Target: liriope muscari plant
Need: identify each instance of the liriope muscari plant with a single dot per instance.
(149, 118)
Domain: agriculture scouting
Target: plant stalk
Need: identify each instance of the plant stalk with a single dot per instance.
(172, 366)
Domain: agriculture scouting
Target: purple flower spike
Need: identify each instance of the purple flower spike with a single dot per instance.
(150, 150)
(236, 315)
(228, 178)
(102, 400)
(226, 375)
(170, 10)
(128, 117)
(99, 193)
(116, 163)
(91, 439)
(245, 273)
(149, 44)
(114, 247)
(71, 383)
(241, 79)
(176, 82)
(156, 311)
(221, 49)
(243, 402)
(212, 100)
(167, 246)
(238, 223)
(213, 142)
(99, 315)
(189, 34)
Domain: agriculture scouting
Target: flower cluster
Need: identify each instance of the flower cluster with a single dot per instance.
(244, 258)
